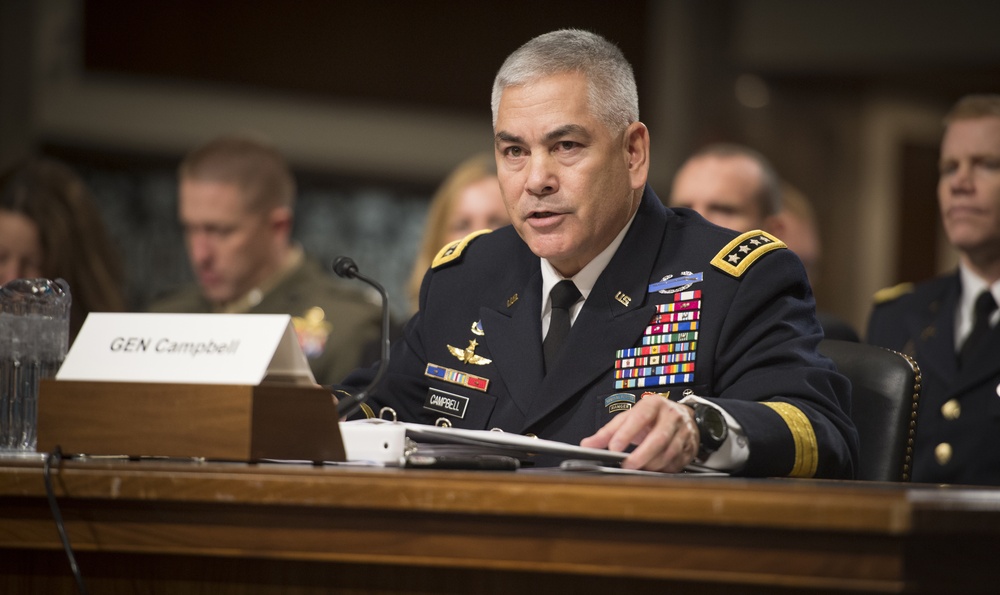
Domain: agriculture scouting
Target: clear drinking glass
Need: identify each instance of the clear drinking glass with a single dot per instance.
(34, 337)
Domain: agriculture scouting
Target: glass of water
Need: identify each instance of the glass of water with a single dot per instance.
(34, 337)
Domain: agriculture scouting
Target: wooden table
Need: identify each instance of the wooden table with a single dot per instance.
(188, 527)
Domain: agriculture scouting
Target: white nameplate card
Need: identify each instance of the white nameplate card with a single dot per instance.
(186, 348)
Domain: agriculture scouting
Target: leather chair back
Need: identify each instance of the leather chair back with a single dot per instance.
(884, 398)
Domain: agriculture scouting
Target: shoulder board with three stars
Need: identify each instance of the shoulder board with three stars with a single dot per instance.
(744, 250)
(452, 251)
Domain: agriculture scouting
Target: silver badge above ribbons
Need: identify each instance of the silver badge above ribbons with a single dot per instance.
(671, 284)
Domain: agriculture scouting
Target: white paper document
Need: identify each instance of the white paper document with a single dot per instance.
(576, 458)
(508, 442)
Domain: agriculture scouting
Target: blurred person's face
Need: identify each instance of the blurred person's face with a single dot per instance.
(20, 247)
(969, 186)
(569, 184)
(721, 189)
(801, 237)
(478, 206)
(231, 248)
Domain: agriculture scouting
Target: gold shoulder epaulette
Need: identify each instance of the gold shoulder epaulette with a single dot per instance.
(453, 250)
(887, 294)
(744, 250)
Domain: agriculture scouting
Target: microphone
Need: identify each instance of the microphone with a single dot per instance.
(344, 266)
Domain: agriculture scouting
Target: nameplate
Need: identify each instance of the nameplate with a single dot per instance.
(187, 348)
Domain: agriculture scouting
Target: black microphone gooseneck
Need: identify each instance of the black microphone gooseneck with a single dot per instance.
(345, 267)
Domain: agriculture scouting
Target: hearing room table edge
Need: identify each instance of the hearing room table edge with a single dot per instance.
(193, 527)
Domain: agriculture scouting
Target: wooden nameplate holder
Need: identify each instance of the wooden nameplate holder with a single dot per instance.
(211, 421)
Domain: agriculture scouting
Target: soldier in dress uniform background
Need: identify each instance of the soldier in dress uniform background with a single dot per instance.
(236, 207)
(949, 324)
(736, 187)
(730, 185)
(602, 318)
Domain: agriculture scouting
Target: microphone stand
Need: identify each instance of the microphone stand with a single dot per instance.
(345, 267)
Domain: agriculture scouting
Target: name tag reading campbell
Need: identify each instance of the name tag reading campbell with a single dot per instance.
(446, 403)
(186, 348)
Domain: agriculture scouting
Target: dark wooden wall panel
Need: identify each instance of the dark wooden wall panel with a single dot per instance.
(428, 53)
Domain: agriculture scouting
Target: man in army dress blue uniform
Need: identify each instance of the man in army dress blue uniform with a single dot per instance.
(949, 323)
(667, 308)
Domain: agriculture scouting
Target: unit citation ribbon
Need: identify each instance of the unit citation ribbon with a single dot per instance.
(455, 377)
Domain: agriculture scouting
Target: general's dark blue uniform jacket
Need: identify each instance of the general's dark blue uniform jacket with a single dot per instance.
(959, 411)
(473, 353)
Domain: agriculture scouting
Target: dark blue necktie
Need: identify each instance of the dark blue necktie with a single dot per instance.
(564, 295)
(985, 305)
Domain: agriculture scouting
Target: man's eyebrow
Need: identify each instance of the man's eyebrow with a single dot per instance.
(567, 130)
(560, 132)
(506, 137)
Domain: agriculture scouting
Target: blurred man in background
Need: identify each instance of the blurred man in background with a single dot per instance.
(736, 187)
(730, 185)
(236, 205)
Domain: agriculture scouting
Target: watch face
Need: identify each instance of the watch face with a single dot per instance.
(712, 426)
(715, 424)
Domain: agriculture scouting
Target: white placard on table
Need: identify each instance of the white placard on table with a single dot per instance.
(186, 348)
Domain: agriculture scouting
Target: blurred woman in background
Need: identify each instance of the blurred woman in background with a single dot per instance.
(50, 227)
(468, 200)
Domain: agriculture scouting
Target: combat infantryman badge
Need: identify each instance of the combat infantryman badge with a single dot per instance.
(671, 284)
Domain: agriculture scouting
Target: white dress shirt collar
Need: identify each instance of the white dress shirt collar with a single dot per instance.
(972, 286)
(584, 280)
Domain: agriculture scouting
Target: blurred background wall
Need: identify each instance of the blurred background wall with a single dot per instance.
(374, 102)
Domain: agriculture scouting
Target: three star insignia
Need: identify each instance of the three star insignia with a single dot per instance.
(744, 250)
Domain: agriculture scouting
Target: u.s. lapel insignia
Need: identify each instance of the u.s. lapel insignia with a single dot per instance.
(511, 300)
(671, 284)
(468, 355)
(477, 328)
(623, 299)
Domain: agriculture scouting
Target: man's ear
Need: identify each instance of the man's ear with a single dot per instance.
(280, 220)
(637, 150)
(774, 225)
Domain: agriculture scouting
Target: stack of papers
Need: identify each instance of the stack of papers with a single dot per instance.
(521, 447)
(447, 447)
